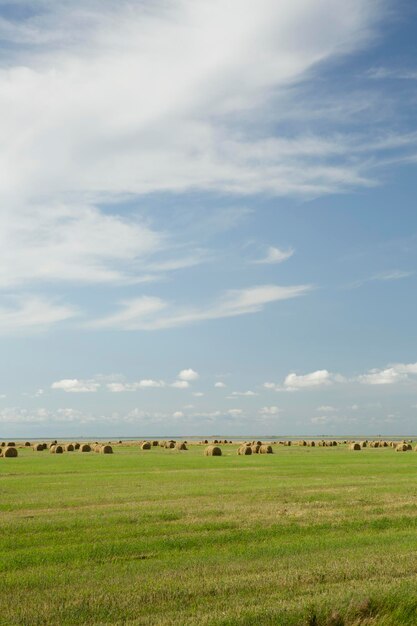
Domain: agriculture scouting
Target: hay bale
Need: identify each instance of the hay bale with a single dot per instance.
(106, 449)
(355, 446)
(363, 444)
(302, 443)
(38, 447)
(212, 451)
(10, 452)
(76, 446)
(3, 444)
(312, 444)
(27, 444)
(266, 449)
(52, 448)
(244, 450)
(170, 445)
(69, 447)
(255, 448)
(11, 444)
(155, 443)
(180, 445)
(85, 447)
(402, 447)
(146, 445)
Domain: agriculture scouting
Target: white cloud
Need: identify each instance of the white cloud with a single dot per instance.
(315, 379)
(326, 408)
(398, 372)
(220, 385)
(104, 133)
(269, 410)
(33, 314)
(188, 374)
(180, 384)
(235, 412)
(178, 414)
(198, 394)
(73, 385)
(247, 394)
(275, 255)
(150, 313)
(148, 382)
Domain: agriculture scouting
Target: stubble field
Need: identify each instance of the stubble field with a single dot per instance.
(314, 536)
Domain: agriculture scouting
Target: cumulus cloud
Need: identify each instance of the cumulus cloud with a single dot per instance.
(74, 385)
(397, 373)
(295, 382)
(235, 412)
(219, 385)
(275, 255)
(189, 375)
(245, 394)
(269, 410)
(180, 384)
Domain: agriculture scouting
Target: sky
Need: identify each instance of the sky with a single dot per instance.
(208, 221)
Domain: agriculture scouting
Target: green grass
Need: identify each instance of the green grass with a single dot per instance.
(314, 536)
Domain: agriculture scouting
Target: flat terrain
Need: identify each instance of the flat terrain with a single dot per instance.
(315, 536)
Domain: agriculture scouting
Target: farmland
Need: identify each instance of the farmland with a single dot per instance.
(315, 536)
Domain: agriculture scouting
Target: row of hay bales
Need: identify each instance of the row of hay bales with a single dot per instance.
(256, 447)
(216, 441)
(103, 448)
(398, 446)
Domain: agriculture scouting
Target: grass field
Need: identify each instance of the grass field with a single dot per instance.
(315, 536)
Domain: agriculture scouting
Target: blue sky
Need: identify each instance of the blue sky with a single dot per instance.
(208, 220)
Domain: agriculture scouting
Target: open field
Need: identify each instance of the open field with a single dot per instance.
(320, 536)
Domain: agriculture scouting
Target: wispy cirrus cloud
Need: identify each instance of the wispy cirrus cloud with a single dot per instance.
(274, 255)
(151, 313)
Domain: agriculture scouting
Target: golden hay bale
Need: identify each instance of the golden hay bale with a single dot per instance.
(205, 441)
(85, 447)
(244, 450)
(255, 448)
(155, 443)
(355, 446)
(146, 445)
(106, 449)
(97, 447)
(266, 449)
(302, 443)
(312, 444)
(170, 445)
(38, 447)
(10, 452)
(69, 447)
(11, 444)
(27, 444)
(76, 446)
(363, 444)
(212, 451)
(180, 445)
(3, 444)
(402, 447)
(52, 448)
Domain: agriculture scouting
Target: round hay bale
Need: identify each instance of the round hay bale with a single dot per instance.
(69, 447)
(146, 445)
(27, 444)
(10, 452)
(38, 447)
(355, 446)
(155, 443)
(3, 444)
(106, 449)
(363, 444)
(97, 448)
(255, 448)
(302, 443)
(402, 447)
(170, 445)
(205, 441)
(312, 444)
(180, 445)
(266, 449)
(76, 446)
(85, 447)
(11, 444)
(212, 451)
(52, 448)
(244, 450)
